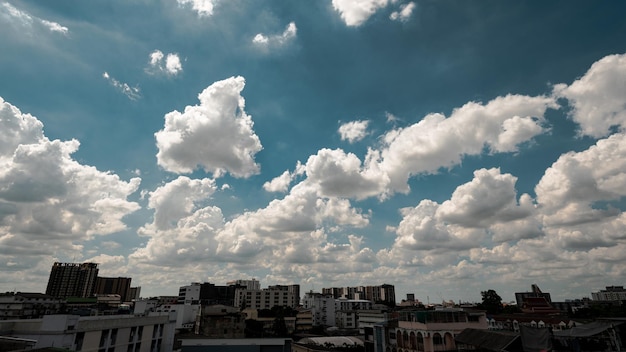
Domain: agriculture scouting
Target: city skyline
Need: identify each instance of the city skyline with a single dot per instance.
(445, 148)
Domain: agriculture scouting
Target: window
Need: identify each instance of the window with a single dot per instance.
(78, 341)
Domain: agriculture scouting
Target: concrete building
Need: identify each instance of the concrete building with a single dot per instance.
(220, 321)
(114, 285)
(611, 293)
(282, 296)
(207, 293)
(428, 330)
(384, 293)
(27, 305)
(115, 333)
(72, 280)
(322, 307)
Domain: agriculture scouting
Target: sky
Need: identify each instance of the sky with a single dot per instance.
(443, 147)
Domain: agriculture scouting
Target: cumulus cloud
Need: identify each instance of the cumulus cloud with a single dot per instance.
(353, 131)
(597, 98)
(356, 12)
(204, 8)
(216, 135)
(46, 196)
(277, 39)
(278, 184)
(405, 12)
(25, 20)
(133, 93)
(160, 63)
(437, 142)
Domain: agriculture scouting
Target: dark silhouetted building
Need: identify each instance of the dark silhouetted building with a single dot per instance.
(114, 285)
(72, 280)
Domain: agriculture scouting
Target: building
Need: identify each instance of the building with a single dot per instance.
(384, 293)
(428, 330)
(252, 284)
(27, 305)
(280, 295)
(207, 294)
(240, 345)
(114, 285)
(97, 333)
(135, 293)
(220, 322)
(611, 293)
(322, 308)
(72, 280)
(535, 292)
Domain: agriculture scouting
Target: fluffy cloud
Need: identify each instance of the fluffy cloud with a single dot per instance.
(405, 12)
(160, 63)
(278, 39)
(202, 7)
(46, 196)
(23, 19)
(353, 131)
(216, 135)
(437, 142)
(133, 93)
(597, 98)
(278, 184)
(356, 12)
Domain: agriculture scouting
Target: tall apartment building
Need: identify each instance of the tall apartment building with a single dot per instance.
(612, 293)
(384, 293)
(279, 295)
(72, 280)
(322, 308)
(114, 285)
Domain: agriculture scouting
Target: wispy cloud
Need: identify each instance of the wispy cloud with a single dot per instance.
(24, 19)
(133, 93)
(265, 41)
(405, 12)
(202, 7)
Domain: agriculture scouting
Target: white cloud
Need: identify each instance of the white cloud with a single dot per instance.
(47, 197)
(356, 12)
(353, 131)
(25, 20)
(160, 63)
(202, 7)
(276, 40)
(439, 142)
(598, 98)
(133, 93)
(216, 135)
(278, 184)
(406, 10)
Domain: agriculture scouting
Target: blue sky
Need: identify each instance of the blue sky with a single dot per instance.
(444, 147)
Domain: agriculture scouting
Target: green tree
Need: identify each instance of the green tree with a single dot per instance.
(492, 302)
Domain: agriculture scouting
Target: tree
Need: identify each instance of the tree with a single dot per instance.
(492, 302)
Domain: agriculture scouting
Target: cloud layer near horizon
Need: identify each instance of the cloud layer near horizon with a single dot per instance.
(572, 226)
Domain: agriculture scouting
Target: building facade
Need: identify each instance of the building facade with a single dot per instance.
(115, 333)
(26, 305)
(384, 293)
(322, 308)
(72, 280)
(114, 285)
(282, 296)
(252, 284)
(207, 293)
(611, 293)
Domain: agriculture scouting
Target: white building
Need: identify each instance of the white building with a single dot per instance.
(116, 333)
(185, 314)
(189, 294)
(322, 307)
(283, 296)
(23, 305)
(612, 293)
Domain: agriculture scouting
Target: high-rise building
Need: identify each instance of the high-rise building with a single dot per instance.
(252, 284)
(279, 295)
(384, 293)
(72, 280)
(114, 285)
